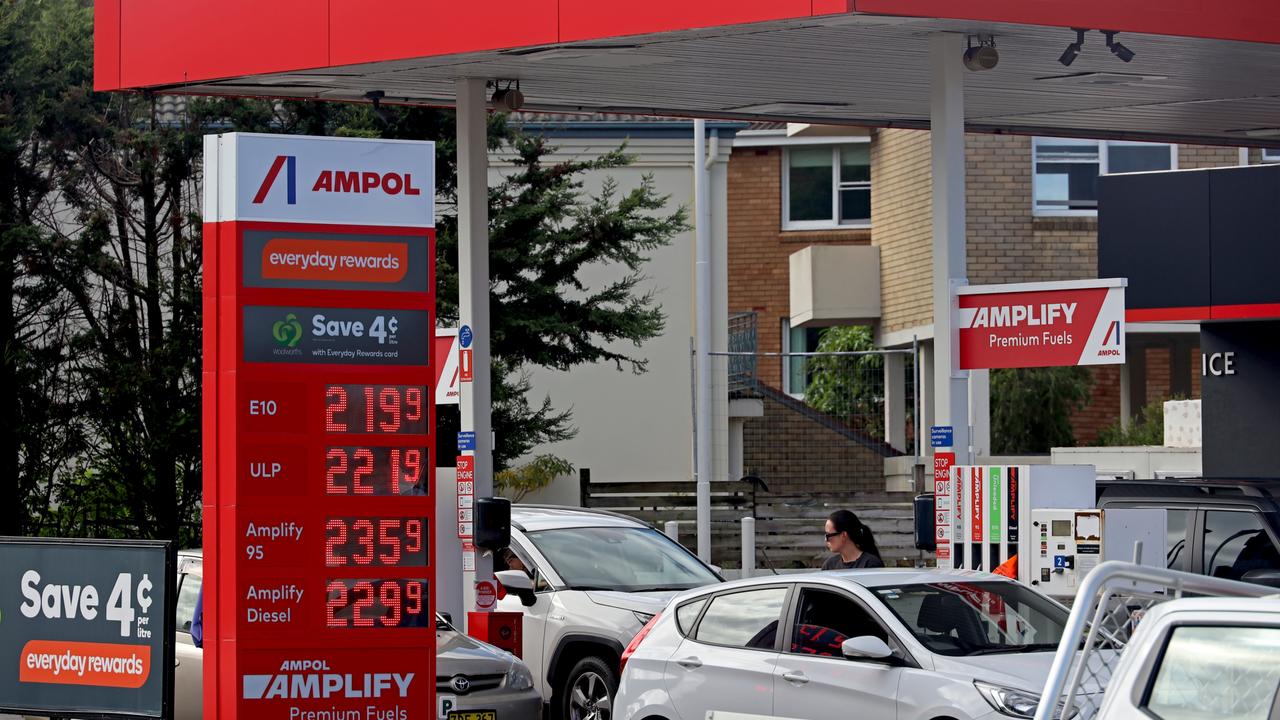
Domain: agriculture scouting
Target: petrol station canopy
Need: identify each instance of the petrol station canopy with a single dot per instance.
(1205, 71)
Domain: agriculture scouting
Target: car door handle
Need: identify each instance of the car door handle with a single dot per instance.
(689, 663)
(796, 678)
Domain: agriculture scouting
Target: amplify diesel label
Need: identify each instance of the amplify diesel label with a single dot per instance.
(345, 336)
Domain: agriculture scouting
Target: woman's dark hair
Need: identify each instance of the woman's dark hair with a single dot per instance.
(846, 522)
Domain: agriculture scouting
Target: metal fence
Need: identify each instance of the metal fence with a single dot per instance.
(1106, 611)
(811, 431)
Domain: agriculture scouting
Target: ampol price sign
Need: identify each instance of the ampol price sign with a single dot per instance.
(319, 428)
(1041, 324)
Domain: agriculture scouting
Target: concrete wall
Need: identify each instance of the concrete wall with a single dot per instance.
(632, 427)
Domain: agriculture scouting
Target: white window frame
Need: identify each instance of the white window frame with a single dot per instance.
(1103, 169)
(1270, 155)
(836, 186)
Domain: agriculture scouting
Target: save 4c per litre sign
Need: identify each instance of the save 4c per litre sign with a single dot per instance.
(1041, 324)
(86, 627)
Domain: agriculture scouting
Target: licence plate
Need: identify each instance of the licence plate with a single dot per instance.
(473, 715)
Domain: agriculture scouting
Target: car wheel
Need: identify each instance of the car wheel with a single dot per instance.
(588, 690)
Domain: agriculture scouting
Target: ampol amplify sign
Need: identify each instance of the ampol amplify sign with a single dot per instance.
(321, 180)
(1041, 324)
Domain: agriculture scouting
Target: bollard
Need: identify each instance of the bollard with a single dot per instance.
(672, 529)
(748, 547)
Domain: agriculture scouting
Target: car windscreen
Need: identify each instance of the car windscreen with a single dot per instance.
(620, 558)
(976, 618)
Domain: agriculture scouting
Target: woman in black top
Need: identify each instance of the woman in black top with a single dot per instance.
(851, 542)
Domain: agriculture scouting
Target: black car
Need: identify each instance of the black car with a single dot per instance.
(1227, 528)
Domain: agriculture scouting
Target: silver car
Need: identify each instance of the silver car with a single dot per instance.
(473, 679)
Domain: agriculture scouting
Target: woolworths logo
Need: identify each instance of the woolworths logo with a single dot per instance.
(287, 332)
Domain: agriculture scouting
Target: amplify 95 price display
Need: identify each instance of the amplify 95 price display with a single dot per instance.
(380, 409)
(386, 603)
(375, 471)
(375, 542)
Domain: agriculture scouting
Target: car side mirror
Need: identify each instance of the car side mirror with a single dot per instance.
(519, 584)
(1266, 576)
(446, 621)
(866, 647)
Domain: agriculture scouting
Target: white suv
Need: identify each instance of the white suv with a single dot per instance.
(587, 582)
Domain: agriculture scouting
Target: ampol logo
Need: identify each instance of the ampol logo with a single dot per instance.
(287, 332)
(291, 179)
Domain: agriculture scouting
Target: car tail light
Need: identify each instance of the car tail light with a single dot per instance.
(635, 642)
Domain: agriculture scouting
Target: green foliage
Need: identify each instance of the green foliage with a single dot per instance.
(1145, 429)
(1031, 408)
(517, 482)
(850, 387)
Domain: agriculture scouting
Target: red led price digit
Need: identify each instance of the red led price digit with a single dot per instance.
(395, 471)
(389, 403)
(413, 534)
(368, 408)
(388, 537)
(389, 596)
(413, 400)
(413, 466)
(337, 601)
(361, 471)
(332, 471)
(335, 398)
(365, 598)
(335, 536)
(414, 604)
(365, 528)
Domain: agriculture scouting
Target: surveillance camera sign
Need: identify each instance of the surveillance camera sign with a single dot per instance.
(86, 627)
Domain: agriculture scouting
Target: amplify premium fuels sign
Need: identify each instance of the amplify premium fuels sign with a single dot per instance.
(1041, 324)
(86, 627)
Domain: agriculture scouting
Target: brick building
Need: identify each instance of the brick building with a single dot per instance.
(1031, 214)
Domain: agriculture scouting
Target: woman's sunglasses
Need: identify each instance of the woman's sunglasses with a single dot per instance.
(832, 535)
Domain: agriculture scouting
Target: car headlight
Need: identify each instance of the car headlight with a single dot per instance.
(1013, 702)
(519, 677)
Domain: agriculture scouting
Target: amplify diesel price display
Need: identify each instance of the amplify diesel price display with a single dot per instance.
(319, 430)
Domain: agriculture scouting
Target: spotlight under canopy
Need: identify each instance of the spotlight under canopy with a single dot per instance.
(1117, 48)
(1073, 50)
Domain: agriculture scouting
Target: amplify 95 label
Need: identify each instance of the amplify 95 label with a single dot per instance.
(348, 336)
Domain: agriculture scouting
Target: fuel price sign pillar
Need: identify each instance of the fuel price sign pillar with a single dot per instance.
(319, 424)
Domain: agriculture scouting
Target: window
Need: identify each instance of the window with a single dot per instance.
(1067, 170)
(187, 594)
(1178, 554)
(620, 558)
(1270, 155)
(1216, 672)
(976, 618)
(826, 187)
(745, 619)
(687, 615)
(1235, 543)
(826, 619)
(795, 370)
(513, 558)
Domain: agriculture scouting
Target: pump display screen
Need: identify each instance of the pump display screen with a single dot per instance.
(384, 603)
(375, 542)
(1061, 528)
(375, 409)
(372, 471)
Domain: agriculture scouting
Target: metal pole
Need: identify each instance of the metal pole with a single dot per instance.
(946, 123)
(473, 293)
(702, 335)
(748, 547)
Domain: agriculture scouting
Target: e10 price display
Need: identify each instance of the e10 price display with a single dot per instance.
(380, 409)
(375, 542)
(385, 603)
(375, 471)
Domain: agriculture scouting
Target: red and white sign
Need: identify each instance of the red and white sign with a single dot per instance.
(466, 493)
(447, 375)
(942, 463)
(1041, 324)
(486, 594)
(464, 365)
(975, 505)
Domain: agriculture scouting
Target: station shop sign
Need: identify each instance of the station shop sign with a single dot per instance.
(1040, 324)
(321, 377)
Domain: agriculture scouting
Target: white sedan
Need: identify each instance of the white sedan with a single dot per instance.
(870, 644)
